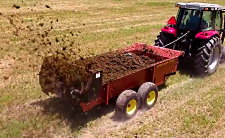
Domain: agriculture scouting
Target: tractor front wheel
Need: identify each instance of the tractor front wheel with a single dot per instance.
(163, 39)
(207, 57)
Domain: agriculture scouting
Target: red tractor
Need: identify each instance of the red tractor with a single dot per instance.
(198, 30)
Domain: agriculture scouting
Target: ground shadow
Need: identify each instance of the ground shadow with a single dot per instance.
(163, 86)
(222, 60)
(185, 68)
(71, 114)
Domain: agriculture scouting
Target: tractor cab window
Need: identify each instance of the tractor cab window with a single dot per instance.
(190, 19)
(206, 23)
(218, 20)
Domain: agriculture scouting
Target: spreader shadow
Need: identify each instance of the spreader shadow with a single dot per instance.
(70, 114)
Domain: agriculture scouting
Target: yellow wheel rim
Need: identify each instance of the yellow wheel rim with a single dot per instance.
(151, 97)
(131, 106)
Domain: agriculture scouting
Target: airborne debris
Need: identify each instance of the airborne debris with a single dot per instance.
(47, 6)
(41, 24)
(64, 48)
(5, 77)
(71, 33)
(16, 6)
(56, 39)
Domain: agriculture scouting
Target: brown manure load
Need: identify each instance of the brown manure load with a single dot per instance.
(63, 77)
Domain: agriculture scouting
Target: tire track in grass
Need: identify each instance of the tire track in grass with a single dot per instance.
(219, 130)
(5, 71)
(124, 27)
(168, 113)
(158, 122)
(193, 118)
(110, 21)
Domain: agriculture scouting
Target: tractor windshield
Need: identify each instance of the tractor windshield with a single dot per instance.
(190, 19)
(197, 20)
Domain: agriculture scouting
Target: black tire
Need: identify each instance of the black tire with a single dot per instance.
(148, 94)
(123, 103)
(163, 39)
(207, 57)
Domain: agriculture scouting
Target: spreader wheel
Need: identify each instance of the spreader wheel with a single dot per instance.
(127, 104)
(207, 58)
(148, 94)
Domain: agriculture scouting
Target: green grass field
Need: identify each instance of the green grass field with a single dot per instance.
(187, 107)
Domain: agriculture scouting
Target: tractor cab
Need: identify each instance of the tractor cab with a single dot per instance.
(199, 16)
(199, 31)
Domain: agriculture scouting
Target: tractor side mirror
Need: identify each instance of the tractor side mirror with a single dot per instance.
(172, 21)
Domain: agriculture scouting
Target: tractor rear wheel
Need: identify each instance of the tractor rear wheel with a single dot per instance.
(127, 104)
(207, 57)
(163, 39)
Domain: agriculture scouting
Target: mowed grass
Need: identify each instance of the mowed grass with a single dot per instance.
(187, 107)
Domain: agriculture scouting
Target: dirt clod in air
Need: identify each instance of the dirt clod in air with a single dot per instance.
(41, 24)
(16, 6)
(47, 6)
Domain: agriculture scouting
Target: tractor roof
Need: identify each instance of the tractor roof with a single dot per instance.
(200, 6)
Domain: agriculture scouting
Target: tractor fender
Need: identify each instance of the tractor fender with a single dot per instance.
(170, 30)
(206, 34)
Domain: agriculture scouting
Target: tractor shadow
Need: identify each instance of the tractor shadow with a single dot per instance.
(222, 60)
(185, 68)
(70, 114)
